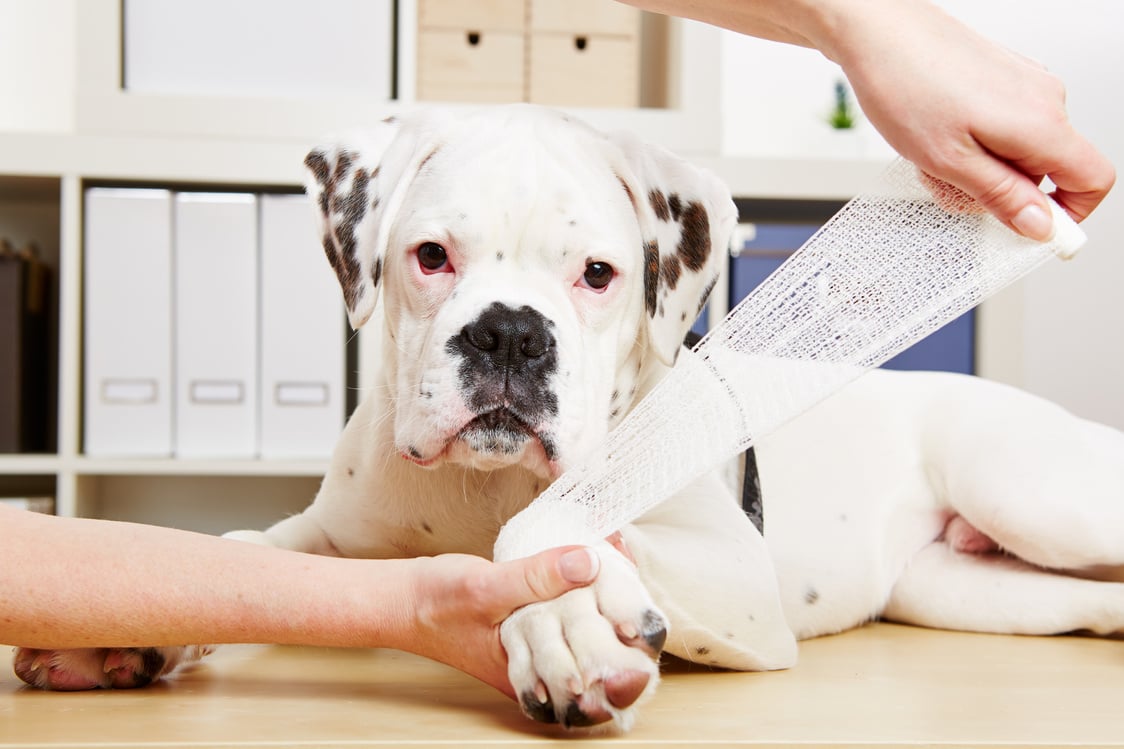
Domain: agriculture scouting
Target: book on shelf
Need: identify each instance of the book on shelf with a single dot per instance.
(25, 291)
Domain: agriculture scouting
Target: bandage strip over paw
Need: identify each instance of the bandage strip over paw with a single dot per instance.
(894, 265)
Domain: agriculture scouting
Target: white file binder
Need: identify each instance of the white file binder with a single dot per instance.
(128, 327)
(303, 335)
(215, 241)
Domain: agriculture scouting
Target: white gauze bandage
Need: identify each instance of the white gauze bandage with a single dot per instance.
(894, 265)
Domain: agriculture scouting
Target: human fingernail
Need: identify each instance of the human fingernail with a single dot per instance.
(579, 565)
(1035, 223)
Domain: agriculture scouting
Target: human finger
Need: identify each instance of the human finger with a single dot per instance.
(543, 576)
(1083, 181)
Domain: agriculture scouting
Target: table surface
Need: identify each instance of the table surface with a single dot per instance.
(883, 684)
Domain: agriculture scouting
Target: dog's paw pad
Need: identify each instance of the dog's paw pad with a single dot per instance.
(623, 689)
(41, 669)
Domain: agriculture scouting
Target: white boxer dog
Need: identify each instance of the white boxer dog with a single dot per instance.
(538, 278)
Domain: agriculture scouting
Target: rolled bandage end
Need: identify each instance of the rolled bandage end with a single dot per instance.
(1068, 236)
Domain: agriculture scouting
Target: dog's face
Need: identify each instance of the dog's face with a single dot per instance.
(534, 272)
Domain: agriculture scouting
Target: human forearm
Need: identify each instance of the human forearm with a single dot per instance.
(68, 583)
(808, 23)
(962, 108)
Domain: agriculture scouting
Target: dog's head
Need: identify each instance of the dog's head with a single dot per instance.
(535, 272)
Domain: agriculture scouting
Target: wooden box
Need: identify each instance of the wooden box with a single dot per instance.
(471, 50)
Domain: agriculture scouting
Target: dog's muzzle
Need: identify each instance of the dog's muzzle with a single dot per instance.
(508, 359)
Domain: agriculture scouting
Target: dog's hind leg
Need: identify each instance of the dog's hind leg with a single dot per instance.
(1045, 485)
(947, 589)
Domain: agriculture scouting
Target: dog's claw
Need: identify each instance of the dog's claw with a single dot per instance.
(650, 638)
(654, 631)
(579, 714)
(541, 710)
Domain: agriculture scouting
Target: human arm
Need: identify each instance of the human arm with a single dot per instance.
(962, 108)
(73, 583)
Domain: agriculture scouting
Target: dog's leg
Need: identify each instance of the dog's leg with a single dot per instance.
(1044, 485)
(94, 668)
(710, 572)
(947, 589)
(297, 532)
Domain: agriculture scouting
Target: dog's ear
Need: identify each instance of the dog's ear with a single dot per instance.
(357, 185)
(686, 217)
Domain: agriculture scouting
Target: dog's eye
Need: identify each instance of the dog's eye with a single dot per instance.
(432, 256)
(598, 275)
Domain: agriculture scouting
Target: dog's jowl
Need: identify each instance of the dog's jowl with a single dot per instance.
(537, 279)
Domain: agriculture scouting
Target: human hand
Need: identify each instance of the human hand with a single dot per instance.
(968, 111)
(460, 601)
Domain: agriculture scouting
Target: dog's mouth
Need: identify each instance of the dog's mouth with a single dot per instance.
(499, 431)
(493, 439)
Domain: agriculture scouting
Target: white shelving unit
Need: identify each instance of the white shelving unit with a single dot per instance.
(112, 135)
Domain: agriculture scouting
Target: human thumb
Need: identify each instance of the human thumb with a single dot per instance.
(549, 574)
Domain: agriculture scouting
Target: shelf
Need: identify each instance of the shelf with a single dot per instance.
(176, 467)
(29, 465)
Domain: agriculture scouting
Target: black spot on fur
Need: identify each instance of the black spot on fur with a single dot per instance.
(414, 452)
(659, 205)
(426, 528)
(670, 268)
(376, 272)
(694, 239)
(675, 205)
(343, 212)
(350, 472)
(702, 651)
(317, 163)
(651, 276)
(811, 596)
(499, 257)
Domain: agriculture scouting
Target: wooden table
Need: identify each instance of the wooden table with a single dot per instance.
(883, 684)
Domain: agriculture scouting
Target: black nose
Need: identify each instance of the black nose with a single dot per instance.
(509, 337)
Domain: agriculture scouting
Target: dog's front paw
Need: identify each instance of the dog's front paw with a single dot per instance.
(100, 668)
(589, 656)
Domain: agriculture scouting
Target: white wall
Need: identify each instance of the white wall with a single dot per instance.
(1073, 313)
(1066, 341)
(37, 64)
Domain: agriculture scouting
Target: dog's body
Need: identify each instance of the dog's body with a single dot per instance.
(538, 278)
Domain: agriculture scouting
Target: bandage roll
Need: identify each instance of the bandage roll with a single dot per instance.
(894, 265)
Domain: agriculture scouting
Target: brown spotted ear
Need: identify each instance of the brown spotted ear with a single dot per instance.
(686, 217)
(356, 186)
